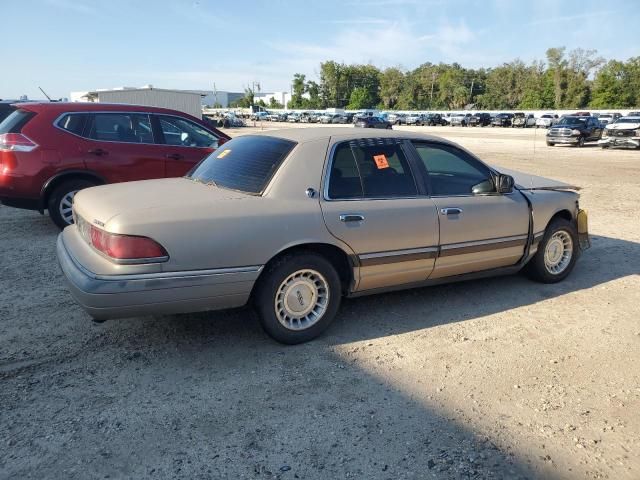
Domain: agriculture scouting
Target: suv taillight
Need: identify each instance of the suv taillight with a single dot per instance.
(16, 142)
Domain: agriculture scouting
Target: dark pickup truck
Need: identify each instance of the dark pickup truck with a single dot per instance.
(502, 120)
(480, 120)
(574, 130)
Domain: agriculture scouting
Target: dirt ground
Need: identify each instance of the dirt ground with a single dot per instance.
(499, 378)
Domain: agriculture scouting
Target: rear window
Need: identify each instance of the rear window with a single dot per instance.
(14, 122)
(244, 163)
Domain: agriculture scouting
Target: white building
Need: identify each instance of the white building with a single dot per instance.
(187, 101)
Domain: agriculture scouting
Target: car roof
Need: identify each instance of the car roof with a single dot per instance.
(64, 107)
(302, 135)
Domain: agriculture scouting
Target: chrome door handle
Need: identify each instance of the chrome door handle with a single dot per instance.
(351, 217)
(451, 211)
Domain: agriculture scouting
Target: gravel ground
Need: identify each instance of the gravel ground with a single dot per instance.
(500, 378)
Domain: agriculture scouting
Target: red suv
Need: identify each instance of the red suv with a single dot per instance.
(50, 151)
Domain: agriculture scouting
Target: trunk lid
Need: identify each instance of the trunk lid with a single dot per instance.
(101, 204)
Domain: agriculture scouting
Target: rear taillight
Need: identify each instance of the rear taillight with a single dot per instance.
(126, 248)
(16, 142)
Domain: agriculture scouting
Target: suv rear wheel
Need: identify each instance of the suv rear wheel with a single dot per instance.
(61, 201)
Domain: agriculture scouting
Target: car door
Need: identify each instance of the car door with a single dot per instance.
(479, 228)
(120, 147)
(373, 203)
(595, 128)
(185, 143)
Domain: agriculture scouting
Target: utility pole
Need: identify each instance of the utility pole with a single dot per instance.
(433, 81)
(471, 92)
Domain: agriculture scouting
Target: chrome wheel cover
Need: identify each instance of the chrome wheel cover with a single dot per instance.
(66, 207)
(302, 299)
(558, 252)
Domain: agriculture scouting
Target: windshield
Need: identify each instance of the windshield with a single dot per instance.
(605, 115)
(244, 163)
(628, 120)
(572, 120)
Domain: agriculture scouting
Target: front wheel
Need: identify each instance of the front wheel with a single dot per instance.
(550, 144)
(557, 253)
(60, 204)
(580, 143)
(298, 297)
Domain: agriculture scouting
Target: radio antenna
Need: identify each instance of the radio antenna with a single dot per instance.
(45, 94)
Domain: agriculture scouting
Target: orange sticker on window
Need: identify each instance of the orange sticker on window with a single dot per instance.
(224, 153)
(381, 161)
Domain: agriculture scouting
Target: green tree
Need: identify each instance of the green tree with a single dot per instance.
(361, 98)
(391, 86)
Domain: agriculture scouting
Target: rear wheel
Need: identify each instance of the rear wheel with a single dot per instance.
(298, 297)
(60, 202)
(557, 253)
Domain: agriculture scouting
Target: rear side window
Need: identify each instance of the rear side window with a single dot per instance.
(370, 168)
(73, 122)
(121, 127)
(14, 122)
(244, 163)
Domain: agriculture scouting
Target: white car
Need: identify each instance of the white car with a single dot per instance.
(607, 118)
(546, 120)
(625, 132)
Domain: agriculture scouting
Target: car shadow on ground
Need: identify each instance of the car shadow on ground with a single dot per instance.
(404, 311)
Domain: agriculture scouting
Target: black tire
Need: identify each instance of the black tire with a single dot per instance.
(580, 143)
(59, 194)
(537, 270)
(550, 144)
(389, 127)
(273, 278)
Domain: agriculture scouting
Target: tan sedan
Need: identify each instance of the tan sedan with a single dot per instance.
(293, 220)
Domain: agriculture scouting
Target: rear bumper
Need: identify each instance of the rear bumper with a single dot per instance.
(633, 142)
(115, 296)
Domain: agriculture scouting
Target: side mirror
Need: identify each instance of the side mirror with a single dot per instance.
(505, 183)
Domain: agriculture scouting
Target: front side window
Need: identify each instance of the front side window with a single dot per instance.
(370, 168)
(120, 127)
(245, 163)
(181, 132)
(452, 172)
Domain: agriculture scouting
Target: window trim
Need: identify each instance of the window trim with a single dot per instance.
(417, 175)
(125, 112)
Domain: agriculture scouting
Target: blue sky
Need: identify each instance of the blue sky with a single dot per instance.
(68, 45)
